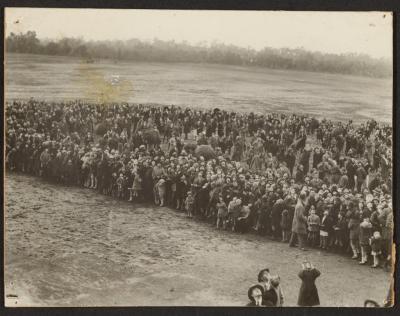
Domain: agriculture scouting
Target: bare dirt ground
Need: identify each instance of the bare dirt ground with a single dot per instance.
(67, 246)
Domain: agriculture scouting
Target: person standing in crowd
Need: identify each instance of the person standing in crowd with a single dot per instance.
(325, 228)
(376, 248)
(189, 204)
(137, 186)
(313, 222)
(353, 216)
(285, 225)
(341, 231)
(299, 224)
(365, 235)
(161, 191)
(222, 213)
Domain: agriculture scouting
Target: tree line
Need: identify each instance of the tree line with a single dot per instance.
(171, 51)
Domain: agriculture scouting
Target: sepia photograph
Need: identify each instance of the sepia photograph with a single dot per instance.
(198, 158)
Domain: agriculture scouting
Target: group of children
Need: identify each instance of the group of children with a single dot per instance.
(324, 234)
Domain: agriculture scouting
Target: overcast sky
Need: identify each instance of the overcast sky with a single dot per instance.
(332, 32)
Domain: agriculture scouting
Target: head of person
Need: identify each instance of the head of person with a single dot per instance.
(370, 303)
(302, 196)
(264, 275)
(377, 235)
(307, 265)
(255, 294)
(275, 280)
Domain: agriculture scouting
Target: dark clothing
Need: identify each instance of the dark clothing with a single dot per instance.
(270, 298)
(308, 295)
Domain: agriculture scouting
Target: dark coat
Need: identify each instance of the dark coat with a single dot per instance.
(308, 295)
(270, 297)
(327, 224)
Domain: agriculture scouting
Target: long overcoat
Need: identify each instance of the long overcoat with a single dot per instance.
(308, 295)
(299, 224)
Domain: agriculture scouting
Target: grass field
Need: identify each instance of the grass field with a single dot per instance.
(333, 96)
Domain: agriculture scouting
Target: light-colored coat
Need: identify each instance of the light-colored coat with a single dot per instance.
(299, 224)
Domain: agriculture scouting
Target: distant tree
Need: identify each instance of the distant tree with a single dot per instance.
(171, 51)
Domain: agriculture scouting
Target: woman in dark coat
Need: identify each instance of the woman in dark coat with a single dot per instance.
(308, 295)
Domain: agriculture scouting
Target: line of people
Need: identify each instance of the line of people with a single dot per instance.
(258, 173)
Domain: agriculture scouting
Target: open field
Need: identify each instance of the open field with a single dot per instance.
(67, 246)
(333, 96)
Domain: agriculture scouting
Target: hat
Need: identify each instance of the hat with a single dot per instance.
(250, 291)
(261, 273)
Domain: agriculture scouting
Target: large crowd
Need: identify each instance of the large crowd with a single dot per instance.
(294, 178)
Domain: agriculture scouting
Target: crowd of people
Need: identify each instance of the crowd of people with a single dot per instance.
(293, 178)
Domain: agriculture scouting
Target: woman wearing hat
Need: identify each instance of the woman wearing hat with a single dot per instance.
(255, 295)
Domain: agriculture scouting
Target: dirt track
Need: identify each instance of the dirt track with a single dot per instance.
(74, 247)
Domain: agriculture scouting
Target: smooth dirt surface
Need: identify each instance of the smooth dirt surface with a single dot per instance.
(68, 246)
(332, 96)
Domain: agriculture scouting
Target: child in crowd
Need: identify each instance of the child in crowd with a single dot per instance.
(114, 186)
(137, 186)
(326, 224)
(365, 235)
(313, 222)
(182, 188)
(340, 232)
(161, 188)
(222, 212)
(189, 202)
(120, 185)
(376, 248)
(286, 226)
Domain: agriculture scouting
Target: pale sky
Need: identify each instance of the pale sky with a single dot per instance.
(329, 32)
